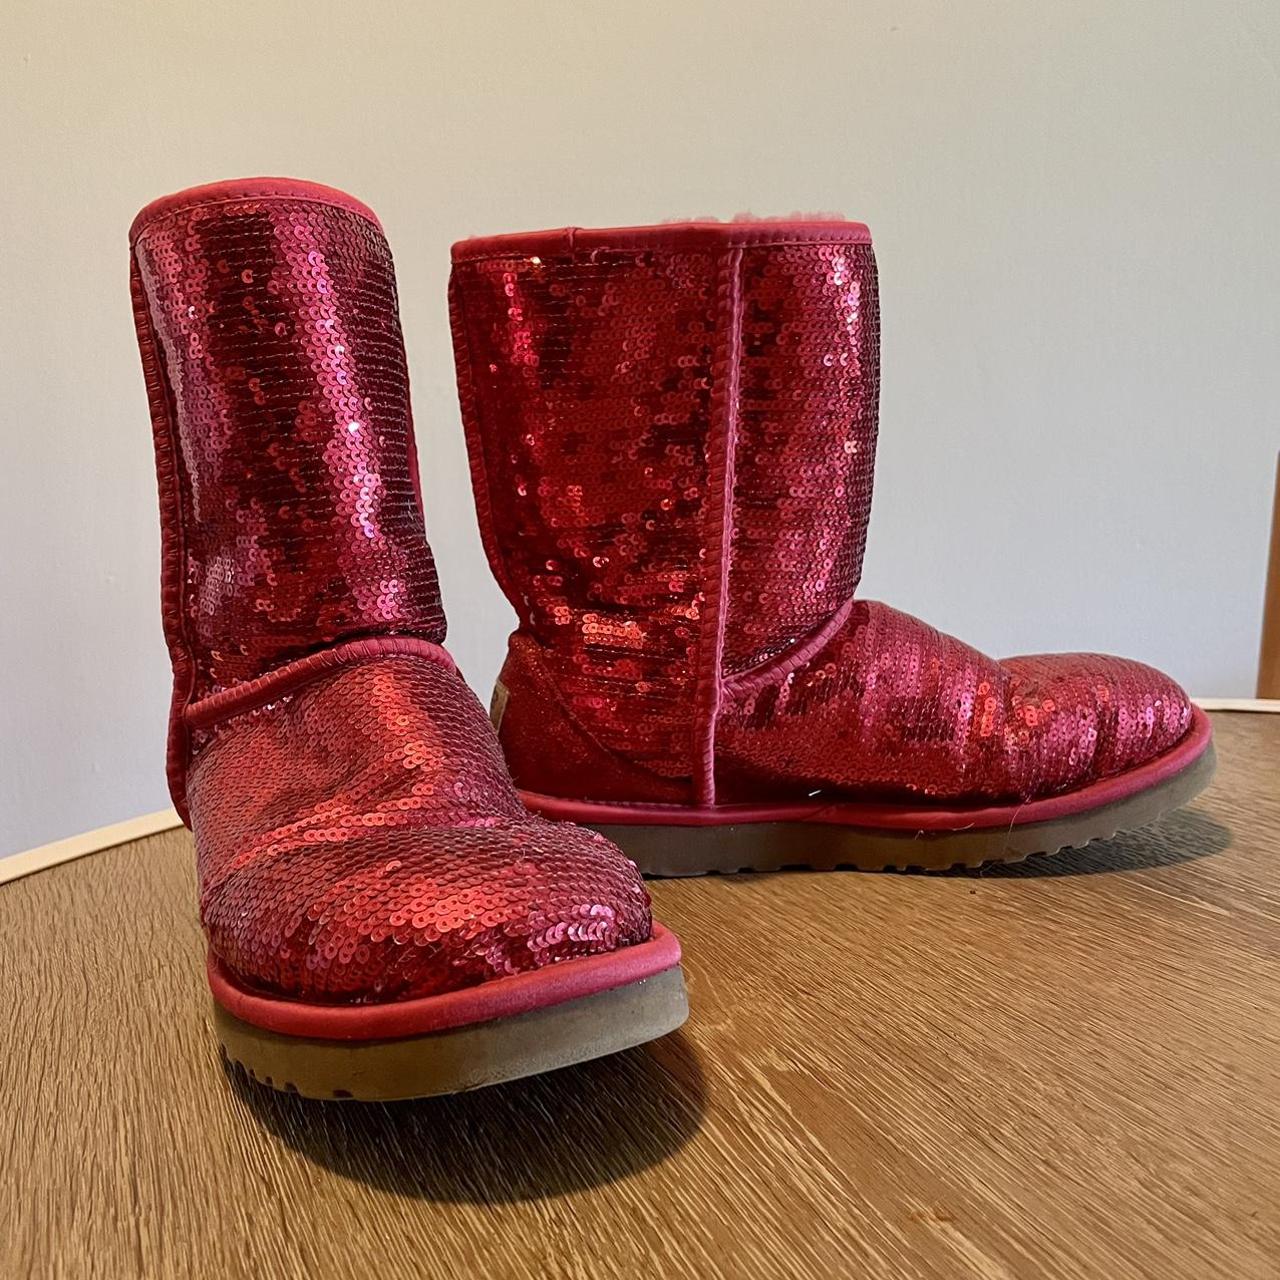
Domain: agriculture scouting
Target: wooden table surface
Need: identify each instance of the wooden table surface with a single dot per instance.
(1070, 1068)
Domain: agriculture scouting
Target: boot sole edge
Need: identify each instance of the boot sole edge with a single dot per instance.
(670, 850)
(458, 1059)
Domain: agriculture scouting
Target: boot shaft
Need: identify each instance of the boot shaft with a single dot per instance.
(672, 432)
(267, 318)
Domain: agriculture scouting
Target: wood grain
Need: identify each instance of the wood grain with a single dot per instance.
(1066, 1069)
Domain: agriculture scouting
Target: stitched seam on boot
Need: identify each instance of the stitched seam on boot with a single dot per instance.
(661, 236)
(338, 200)
(255, 693)
(173, 542)
(718, 517)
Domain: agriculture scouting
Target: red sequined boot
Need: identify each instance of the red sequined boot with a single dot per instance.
(672, 433)
(384, 917)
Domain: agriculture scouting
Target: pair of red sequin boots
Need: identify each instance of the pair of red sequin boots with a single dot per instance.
(672, 435)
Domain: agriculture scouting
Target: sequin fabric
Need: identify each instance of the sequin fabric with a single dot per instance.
(591, 376)
(890, 707)
(277, 325)
(804, 455)
(360, 840)
(612, 384)
(358, 836)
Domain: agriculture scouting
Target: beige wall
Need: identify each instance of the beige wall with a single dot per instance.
(1075, 209)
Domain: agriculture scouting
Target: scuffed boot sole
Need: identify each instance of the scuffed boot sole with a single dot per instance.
(869, 837)
(452, 1059)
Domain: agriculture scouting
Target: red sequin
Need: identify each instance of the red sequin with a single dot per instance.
(889, 706)
(360, 840)
(358, 837)
(673, 435)
(278, 328)
(592, 376)
(805, 442)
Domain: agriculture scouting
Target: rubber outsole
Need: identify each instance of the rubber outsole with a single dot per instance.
(459, 1058)
(673, 850)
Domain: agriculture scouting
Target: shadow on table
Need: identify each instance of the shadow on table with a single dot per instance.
(571, 1129)
(1180, 836)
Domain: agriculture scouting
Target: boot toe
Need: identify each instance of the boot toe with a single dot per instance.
(392, 915)
(1076, 718)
